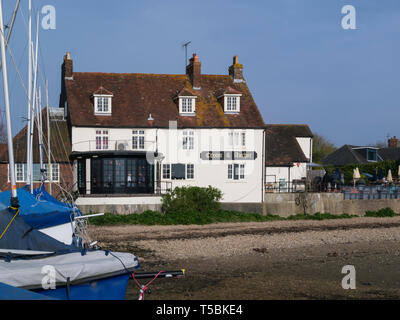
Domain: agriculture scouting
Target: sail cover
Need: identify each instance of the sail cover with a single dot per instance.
(21, 236)
(40, 210)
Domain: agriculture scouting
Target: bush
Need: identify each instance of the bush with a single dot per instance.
(320, 216)
(192, 200)
(387, 212)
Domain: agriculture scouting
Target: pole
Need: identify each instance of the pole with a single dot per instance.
(40, 132)
(11, 27)
(49, 168)
(14, 196)
(28, 133)
(35, 69)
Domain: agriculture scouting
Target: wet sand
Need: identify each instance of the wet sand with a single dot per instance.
(268, 260)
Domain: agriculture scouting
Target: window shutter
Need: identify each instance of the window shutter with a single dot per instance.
(178, 171)
(236, 172)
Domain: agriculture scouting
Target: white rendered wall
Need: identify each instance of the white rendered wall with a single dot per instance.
(306, 147)
(206, 172)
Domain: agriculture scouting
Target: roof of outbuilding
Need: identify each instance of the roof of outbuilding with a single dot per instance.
(389, 153)
(138, 95)
(282, 148)
(345, 155)
(60, 143)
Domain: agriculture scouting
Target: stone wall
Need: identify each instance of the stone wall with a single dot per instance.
(284, 204)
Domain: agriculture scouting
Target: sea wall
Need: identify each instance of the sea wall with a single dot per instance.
(282, 204)
(285, 204)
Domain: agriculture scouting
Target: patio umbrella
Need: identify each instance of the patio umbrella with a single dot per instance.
(356, 174)
(389, 176)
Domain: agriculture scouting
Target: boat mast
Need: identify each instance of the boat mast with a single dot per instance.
(11, 26)
(49, 168)
(14, 196)
(40, 132)
(35, 70)
(28, 133)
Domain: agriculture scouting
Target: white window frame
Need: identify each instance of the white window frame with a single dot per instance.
(237, 139)
(166, 171)
(55, 172)
(102, 98)
(188, 140)
(232, 103)
(16, 172)
(138, 139)
(185, 103)
(241, 174)
(102, 135)
(191, 166)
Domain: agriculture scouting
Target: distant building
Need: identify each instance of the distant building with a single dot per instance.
(288, 151)
(60, 150)
(349, 154)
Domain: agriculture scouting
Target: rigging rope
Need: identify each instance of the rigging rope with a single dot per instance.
(144, 288)
(5, 230)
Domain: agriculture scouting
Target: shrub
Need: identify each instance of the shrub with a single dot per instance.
(192, 200)
(386, 212)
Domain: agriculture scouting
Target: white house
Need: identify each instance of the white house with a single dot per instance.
(134, 136)
(288, 153)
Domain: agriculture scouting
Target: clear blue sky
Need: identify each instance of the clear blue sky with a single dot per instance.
(299, 63)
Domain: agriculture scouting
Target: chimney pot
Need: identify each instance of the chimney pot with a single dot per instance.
(67, 67)
(393, 142)
(236, 70)
(193, 70)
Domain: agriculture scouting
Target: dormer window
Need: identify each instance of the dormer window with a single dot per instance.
(102, 100)
(230, 98)
(187, 105)
(102, 104)
(232, 103)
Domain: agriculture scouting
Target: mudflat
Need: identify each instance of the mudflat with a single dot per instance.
(265, 260)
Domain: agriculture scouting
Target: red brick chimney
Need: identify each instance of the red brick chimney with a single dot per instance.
(193, 70)
(393, 142)
(236, 70)
(67, 67)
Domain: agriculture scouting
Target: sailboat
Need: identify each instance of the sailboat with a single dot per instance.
(38, 208)
(32, 262)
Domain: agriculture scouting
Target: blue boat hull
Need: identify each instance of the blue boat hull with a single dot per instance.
(12, 293)
(112, 288)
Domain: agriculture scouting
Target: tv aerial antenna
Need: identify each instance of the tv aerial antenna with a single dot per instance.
(185, 45)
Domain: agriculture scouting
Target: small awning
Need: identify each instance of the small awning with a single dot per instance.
(312, 165)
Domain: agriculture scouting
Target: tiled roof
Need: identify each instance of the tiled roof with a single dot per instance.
(282, 148)
(389, 153)
(344, 155)
(138, 95)
(103, 91)
(59, 142)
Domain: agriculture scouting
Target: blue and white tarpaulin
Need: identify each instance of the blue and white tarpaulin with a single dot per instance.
(40, 210)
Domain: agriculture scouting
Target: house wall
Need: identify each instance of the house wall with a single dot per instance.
(306, 146)
(65, 181)
(214, 173)
(297, 172)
